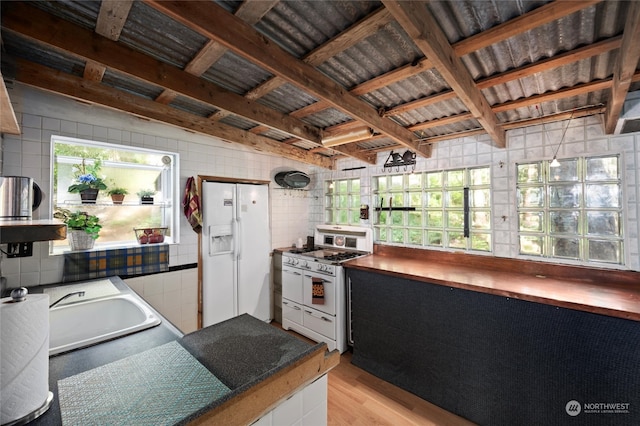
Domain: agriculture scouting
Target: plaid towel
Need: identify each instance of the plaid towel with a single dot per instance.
(191, 205)
(317, 291)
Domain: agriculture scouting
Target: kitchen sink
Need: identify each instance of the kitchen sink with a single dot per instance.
(83, 324)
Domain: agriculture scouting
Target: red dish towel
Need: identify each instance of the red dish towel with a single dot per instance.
(317, 291)
(191, 205)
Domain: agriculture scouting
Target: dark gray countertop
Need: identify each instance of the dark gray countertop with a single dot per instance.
(240, 352)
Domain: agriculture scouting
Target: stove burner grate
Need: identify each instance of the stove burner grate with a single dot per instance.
(339, 257)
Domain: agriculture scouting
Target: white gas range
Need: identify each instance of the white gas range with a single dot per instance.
(322, 318)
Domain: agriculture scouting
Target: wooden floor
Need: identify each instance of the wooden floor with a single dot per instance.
(358, 398)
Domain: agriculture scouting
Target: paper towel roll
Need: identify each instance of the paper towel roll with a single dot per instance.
(24, 356)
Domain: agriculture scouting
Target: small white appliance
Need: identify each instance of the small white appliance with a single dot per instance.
(325, 320)
(236, 247)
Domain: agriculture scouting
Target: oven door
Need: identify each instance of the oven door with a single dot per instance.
(327, 304)
(292, 283)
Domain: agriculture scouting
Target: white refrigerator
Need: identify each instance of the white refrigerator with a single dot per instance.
(236, 246)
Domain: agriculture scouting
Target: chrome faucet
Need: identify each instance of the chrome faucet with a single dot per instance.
(79, 293)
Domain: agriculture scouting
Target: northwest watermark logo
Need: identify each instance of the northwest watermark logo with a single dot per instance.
(573, 408)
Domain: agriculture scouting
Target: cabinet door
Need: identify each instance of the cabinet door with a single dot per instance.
(292, 284)
(328, 304)
(291, 311)
(320, 322)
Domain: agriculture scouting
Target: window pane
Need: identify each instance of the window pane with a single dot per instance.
(529, 173)
(434, 219)
(355, 186)
(342, 217)
(605, 251)
(397, 235)
(564, 196)
(605, 168)
(328, 216)
(342, 186)
(398, 200)
(434, 180)
(415, 180)
(415, 199)
(531, 221)
(329, 202)
(480, 198)
(455, 199)
(415, 236)
(434, 238)
(565, 247)
(603, 223)
(566, 172)
(397, 218)
(457, 240)
(481, 176)
(415, 219)
(383, 217)
(603, 195)
(481, 241)
(382, 234)
(396, 181)
(563, 222)
(455, 178)
(481, 220)
(342, 201)
(530, 197)
(382, 183)
(434, 199)
(455, 219)
(355, 201)
(355, 216)
(531, 244)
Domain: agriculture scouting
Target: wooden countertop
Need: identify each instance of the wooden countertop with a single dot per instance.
(607, 292)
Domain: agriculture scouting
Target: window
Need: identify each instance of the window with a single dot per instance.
(573, 211)
(133, 169)
(342, 202)
(450, 209)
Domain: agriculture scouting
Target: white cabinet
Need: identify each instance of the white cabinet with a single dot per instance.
(307, 407)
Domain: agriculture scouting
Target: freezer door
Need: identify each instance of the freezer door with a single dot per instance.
(254, 251)
(219, 268)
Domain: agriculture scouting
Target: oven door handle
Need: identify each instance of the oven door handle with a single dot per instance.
(323, 280)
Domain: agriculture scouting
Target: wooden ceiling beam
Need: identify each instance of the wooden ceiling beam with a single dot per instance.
(38, 25)
(110, 22)
(8, 121)
(112, 17)
(251, 11)
(215, 23)
(517, 73)
(425, 31)
(352, 35)
(55, 81)
(625, 67)
(542, 15)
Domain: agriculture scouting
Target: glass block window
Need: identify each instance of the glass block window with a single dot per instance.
(573, 211)
(449, 209)
(342, 202)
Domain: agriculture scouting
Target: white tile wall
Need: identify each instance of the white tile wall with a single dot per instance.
(173, 294)
(584, 137)
(42, 115)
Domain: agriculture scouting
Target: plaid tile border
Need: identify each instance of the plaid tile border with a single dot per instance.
(105, 263)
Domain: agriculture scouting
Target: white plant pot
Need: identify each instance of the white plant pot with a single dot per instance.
(80, 240)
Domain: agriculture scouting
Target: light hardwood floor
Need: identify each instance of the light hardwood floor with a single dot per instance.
(358, 398)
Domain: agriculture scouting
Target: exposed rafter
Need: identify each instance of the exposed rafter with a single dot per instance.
(425, 31)
(625, 66)
(93, 92)
(215, 23)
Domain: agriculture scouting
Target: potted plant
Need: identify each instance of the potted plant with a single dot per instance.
(146, 196)
(87, 182)
(84, 228)
(117, 194)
